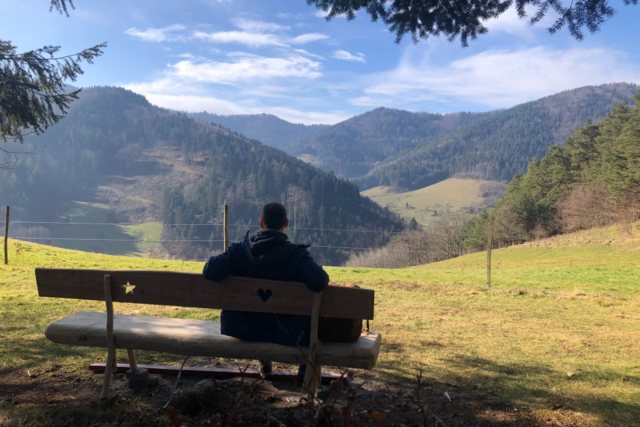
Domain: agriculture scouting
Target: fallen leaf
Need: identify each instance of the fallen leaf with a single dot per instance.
(173, 416)
(379, 417)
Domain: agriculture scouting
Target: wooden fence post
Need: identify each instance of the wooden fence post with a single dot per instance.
(6, 237)
(226, 227)
(489, 246)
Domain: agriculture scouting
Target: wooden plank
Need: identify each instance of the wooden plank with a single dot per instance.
(219, 373)
(190, 337)
(193, 290)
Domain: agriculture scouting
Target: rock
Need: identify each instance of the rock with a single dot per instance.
(97, 402)
(140, 380)
(193, 399)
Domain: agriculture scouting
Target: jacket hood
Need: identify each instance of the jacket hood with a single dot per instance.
(271, 248)
(264, 240)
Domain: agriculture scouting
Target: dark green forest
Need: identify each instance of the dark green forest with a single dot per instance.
(500, 144)
(266, 128)
(353, 147)
(245, 174)
(591, 180)
(113, 134)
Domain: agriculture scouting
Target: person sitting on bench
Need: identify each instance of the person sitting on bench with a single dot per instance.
(268, 254)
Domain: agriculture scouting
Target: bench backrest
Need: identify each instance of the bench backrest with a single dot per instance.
(193, 290)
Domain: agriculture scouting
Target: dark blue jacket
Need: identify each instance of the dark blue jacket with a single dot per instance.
(267, 255)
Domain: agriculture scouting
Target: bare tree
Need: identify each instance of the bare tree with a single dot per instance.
(446, 236)
(299, 203)
(587, 207)
(508, 226)
(408, 248)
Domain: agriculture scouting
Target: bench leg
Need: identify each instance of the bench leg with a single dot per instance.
(312, 379)
(108, 372)
(133, 365)
(111, 346)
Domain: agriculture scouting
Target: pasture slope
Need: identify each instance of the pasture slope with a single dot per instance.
(427, 204)
(553, 342)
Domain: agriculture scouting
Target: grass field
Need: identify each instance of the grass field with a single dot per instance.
(554, 341)
(91, 229)
(447, 196)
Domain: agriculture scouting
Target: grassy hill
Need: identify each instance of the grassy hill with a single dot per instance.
(449, 196)
(554, 341)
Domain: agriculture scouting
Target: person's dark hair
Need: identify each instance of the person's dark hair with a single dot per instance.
(274, 215)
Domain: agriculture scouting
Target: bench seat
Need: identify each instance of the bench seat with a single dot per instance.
(189, 337)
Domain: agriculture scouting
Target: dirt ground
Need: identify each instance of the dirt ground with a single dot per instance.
(53, 398)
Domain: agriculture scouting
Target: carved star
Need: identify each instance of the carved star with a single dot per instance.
(128, 288)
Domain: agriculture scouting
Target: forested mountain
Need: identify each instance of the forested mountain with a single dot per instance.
(149, 163)
(499, 144)
(590, 181)
(353, 147)
(266, 128)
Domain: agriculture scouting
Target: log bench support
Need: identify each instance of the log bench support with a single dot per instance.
(188, 337)
(312, 373)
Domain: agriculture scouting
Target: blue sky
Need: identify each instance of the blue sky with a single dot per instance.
(282, 57)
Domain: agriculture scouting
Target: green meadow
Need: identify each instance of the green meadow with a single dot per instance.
(555, 339)
(448, 196)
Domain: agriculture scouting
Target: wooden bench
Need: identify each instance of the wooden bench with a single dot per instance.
(203, 338)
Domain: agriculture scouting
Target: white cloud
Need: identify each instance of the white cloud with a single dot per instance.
(307, 53)
(243, 71)
(258, 34)
(289, 15)
(258, 26)
(510, 23)
(308, 38)
(346, 56)
(498, 78)
(245, 67)
(322, 14)
(241, 37)
(157, 34)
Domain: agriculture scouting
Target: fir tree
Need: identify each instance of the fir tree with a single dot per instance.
(33, 94)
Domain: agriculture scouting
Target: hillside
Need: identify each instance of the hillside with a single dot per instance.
(591, 180)
(353, 147)
(500, 144)
(132, 162)
(453, 195)
(266, 128)
(553, 342)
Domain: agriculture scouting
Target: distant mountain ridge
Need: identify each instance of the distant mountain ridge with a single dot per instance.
(502, 143)
(266, 128)
(413, 150)
(353, 147)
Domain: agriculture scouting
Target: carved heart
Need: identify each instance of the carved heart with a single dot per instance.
(264, 295)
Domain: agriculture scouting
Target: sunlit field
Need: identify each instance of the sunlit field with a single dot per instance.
(556, 337)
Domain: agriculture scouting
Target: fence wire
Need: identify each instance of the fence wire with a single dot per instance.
(118, 224)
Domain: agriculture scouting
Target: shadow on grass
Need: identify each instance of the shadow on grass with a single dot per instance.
(471, 391)
(482, 385)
